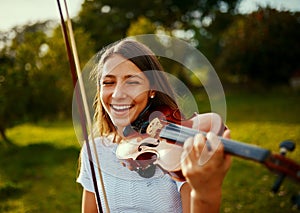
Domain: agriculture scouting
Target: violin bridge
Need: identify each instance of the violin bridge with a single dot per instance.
(153, 127)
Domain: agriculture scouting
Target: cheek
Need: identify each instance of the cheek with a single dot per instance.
(142, 100)
(103, 96)
(139, 93)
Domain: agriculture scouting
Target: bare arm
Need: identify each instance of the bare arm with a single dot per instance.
(88, 202)
(185, 193)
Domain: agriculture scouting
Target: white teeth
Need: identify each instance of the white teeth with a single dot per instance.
(121, 107)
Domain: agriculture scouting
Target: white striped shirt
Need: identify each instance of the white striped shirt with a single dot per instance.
(127, 191)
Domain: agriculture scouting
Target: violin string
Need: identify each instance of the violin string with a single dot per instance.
(181, 133)
(177, 133)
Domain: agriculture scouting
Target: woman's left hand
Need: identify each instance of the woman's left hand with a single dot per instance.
(205, 165)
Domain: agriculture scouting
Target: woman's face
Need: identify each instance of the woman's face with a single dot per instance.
(124, 90)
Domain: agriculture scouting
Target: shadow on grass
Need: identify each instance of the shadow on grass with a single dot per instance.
(9, 191)
(264, 106)
(248, 188)
(40, 176)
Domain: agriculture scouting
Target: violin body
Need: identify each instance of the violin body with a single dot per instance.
(144, 155)
(156, 140)
(144, 148)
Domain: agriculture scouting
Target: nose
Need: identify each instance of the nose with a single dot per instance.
(119, 91)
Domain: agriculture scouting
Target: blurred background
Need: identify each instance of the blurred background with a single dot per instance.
(254, 47)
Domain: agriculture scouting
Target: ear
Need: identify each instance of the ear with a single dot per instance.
(152, 94)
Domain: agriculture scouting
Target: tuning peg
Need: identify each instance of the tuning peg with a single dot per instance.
(296, 200)
(286, 146)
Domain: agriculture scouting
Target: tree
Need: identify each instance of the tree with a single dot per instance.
(6, 88)
(142, 26)
(108, 21)
(34, 74)
(261, 47)
(23, 90)
(56, 62)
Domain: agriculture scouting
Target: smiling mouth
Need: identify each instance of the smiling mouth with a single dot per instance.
(121, 108)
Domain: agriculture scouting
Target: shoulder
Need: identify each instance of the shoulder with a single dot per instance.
(97, 147)
(98, 142)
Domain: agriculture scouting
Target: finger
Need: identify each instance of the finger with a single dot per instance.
(207, 154)
(199, 144)
(187, 149)
(226, 133)
(188, 144)
(228, 161)
(214, 141)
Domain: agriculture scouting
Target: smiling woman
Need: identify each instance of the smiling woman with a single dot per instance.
(125, 90)
(131, 83)
(129, 77)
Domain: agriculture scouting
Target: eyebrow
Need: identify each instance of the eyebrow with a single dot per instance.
(126, 76)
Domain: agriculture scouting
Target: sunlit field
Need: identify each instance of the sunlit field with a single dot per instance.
(264, 119)
(38, 173)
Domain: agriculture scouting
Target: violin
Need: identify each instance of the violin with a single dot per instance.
(157, 136)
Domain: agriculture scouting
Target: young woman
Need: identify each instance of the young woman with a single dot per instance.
(131, 81)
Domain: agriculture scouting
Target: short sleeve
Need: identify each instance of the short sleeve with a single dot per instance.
(84, 177)
(179, 184)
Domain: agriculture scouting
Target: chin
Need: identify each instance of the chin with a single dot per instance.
(121, 124)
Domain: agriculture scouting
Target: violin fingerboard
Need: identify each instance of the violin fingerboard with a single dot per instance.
(179, 134)
(244, 150)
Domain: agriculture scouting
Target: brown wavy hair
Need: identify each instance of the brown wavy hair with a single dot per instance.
(145, 60)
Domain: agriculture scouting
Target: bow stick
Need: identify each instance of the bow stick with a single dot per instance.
(82, 103)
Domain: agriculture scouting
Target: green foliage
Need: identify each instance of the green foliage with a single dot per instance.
(56, 55)
(35, 67)
(141, 26)
(113, 18)
(262, 47)
(35, 79)
(25, 90)
(243, 48)
(20, 63)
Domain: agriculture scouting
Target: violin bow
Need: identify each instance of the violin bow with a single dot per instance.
(84, 114)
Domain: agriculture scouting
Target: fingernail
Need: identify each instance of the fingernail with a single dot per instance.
(208, 146)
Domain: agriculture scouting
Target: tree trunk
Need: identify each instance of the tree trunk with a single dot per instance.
(4, 137)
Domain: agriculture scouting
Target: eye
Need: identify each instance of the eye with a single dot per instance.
(133, 82)
(107, 82)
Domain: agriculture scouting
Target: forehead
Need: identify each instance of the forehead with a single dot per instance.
(117, 65)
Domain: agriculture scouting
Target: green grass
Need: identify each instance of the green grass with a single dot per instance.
(264, 119)
(38, 173)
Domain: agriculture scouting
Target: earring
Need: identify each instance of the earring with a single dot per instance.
(152, 94)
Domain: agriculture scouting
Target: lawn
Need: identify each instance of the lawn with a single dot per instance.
(264, 119)
(38, 173)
